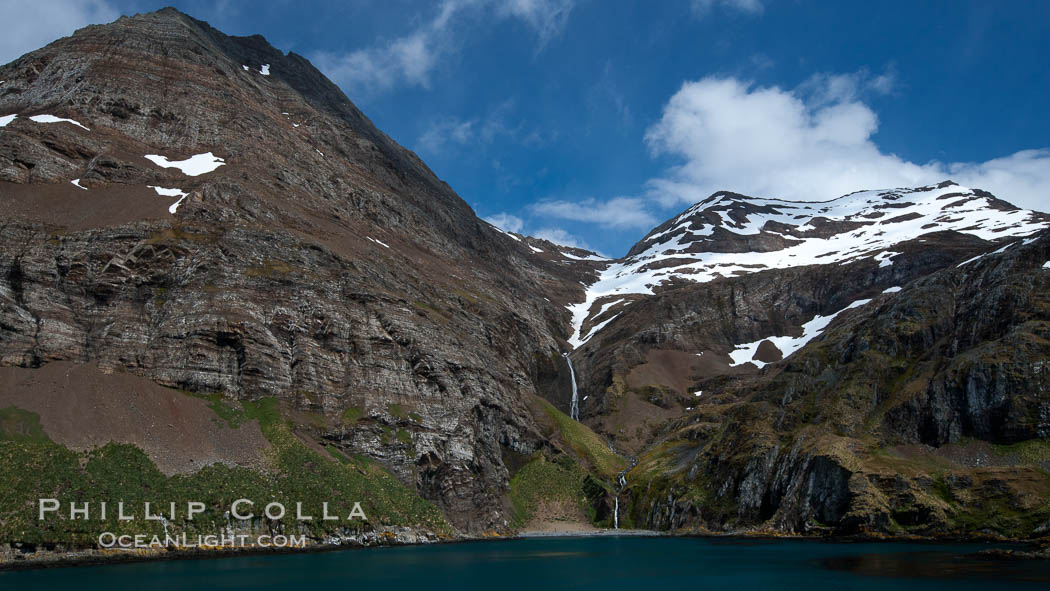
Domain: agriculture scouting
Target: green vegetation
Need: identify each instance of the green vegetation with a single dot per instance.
(336, 453)
(585, 443)
(352, 414)
(20, 425)
(33, 467)
(543, 481)
(270, 268)
(1030, 452)
(227, 412)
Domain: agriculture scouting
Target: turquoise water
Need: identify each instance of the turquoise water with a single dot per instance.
(574, 563)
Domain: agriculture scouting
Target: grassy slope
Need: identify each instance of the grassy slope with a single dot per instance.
(582, 478)
(33, 467)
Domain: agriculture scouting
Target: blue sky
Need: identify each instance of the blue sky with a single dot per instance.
(591, 121)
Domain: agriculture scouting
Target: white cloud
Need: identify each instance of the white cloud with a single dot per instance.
(506, 222)
(411, 58)
(546, 17)
(561, 237)
(618, 212)
(30, 25)
(824, 89)
(476, 131)
(812, 143)
(702, 7)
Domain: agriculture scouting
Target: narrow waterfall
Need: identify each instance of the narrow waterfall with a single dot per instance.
(621, 483)
(574, 410)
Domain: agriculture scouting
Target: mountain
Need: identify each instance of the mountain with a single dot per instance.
(729, 235)
(869, 364)
(208, 214)
(218, 278)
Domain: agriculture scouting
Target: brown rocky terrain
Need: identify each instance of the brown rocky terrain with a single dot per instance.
(321, 264)
(83, 408)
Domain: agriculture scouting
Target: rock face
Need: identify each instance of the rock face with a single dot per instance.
(892, 379)
(320, 263)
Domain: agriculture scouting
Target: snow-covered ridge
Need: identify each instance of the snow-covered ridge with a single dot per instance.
(777, 234)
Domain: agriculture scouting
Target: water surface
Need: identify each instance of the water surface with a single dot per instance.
(604, 563)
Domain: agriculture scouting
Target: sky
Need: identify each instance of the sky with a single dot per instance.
(588, 122)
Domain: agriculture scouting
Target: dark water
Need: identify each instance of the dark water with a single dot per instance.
(574, 563)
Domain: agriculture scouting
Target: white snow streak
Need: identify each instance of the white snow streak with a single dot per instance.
(195, 165)
(788, 345)
(170, 193)
(53, 119)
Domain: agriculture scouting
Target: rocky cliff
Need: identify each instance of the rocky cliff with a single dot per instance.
(214, 215)
(869, 364)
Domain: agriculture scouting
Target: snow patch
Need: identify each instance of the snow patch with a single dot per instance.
(534, 249)
(170, 193)
(698, 393)
(53, 119)
(981, 256)
(379, 242)
(884, 258)
(891, 289)
(246, 68)
(788, 345)
(594, 330)
(195, 165)
(1046, 265)
(77, 183)
(264, 69)
(7, 119)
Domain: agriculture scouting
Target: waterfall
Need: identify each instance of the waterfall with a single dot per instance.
(621, 481)
(574, 410)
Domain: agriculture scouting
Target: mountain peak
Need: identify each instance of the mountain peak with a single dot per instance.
(730, 234)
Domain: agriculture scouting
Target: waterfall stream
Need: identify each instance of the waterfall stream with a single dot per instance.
(621, 483)
(574, 410)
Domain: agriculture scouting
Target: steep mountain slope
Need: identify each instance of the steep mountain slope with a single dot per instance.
(923, 411)
(213, 215)
(733, 275)
(800, 366)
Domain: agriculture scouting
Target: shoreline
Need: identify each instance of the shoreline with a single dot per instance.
(1021, 549)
